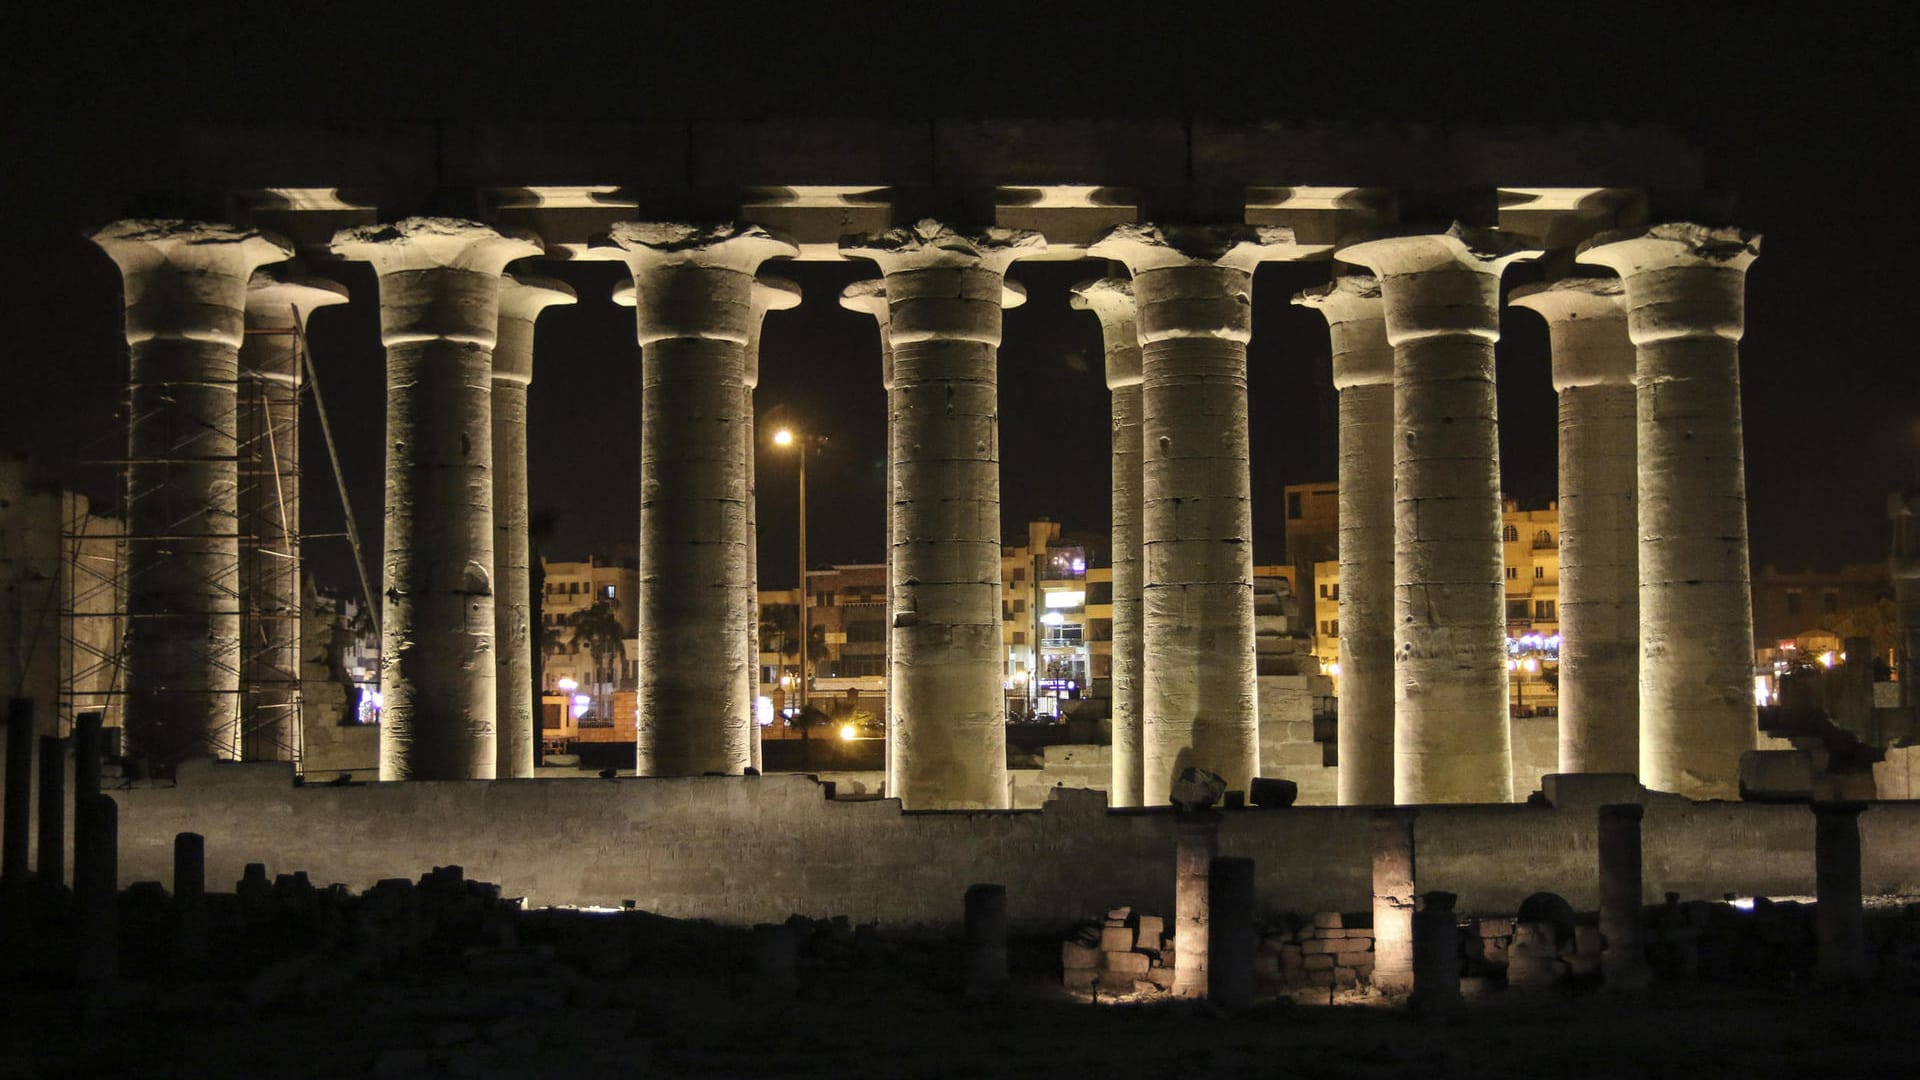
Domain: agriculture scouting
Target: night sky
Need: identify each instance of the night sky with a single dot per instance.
(1805, 118)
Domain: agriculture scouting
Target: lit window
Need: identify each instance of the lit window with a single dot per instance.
(1066, 598)
(606, 592)
(1539, 572)
(1513, 573)
(1509, 534)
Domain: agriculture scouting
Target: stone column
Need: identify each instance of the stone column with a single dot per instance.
(985, 929)
(1193, 288)
(268, 427)
(1363, 378)
(694, 316)
(948, 711)
(871, 297)
(186, 298)
(1230, 935)
(96, 890)
(50, 854)
(1393, 900)
(515, 614)
(18, 832)
(1196, 844)
(1599, 571)
(188, 938)
(1436, 955)
(769, 294)
(1839, 921)
(1624, 963)
(1451, 739)
(1686, 309)
(1111, 300)
(439, 318)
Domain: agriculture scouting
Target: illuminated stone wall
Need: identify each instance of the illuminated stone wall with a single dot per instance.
(741, 850)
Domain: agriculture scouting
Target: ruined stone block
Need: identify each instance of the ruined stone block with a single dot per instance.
(1074, 955)
(1318, 962)
(1586, 940)
(1150, 929)
(1080, 978)
(1327, 920)
(1116, 939)
(1125, 963)
(1317, 946)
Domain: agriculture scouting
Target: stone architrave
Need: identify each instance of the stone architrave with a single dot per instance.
(1363, 378)
(1193, 293)
(268, 426)
(945, 293)
(1111, 301)
(870, 298)
(186, 300)
(1451, 740)
(694, 317)
(1599, 605)
(516, 612)
(1686, 311)
(769, 294)
(439, 319)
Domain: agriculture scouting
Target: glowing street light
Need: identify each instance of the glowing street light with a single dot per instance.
(785, 437)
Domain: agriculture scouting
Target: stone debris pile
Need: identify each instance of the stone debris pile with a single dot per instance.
(1118, 954)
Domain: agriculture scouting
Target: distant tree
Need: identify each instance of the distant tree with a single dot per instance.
(1878, 621)
(598, 630)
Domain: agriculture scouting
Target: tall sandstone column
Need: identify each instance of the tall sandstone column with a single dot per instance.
(769, 294)
(515, 614)
(870, 297)
(1599, 603)
(1363, 378)
(186, 300)
(694, 315)
(1451, 741)
(268, 425)
(1111, 300)
(1193, 289)
(1686, 310)
(439, 319)
(944, 297)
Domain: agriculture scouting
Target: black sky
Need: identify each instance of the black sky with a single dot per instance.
(1807, 115)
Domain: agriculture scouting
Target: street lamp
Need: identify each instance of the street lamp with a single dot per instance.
(788, 436)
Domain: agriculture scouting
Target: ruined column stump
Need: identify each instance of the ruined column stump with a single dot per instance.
(776, 949)
(96, 891)
(1436, 957)
(1231, 939)
(50, 856)
(1839, 921)
(986, 940)
(1196, 844)
(1623, 962)
(187, 947)
(1393, 901)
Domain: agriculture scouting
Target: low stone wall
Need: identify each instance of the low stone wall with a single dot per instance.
(741, 850)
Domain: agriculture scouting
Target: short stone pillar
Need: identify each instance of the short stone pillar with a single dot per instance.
(1686, 310)
(1196, 845)
(776, 951)
(268, 427)
(1231, 940)
(769, 294)
(439, 319)
(945, 292)
(1451, 739)
(87, 738)
(1599, 605)
(1393, 901)
(18, 814)
(1111, 300)
(1363, 378)
(50, 854)
(187, 945)
(694, 315)
(516, 610)
(1193, 289)
(96, 891)
(1839, 921)
(986, 940)
(1436, 956)
(870, 298)
(186, 299)
(1624, 961)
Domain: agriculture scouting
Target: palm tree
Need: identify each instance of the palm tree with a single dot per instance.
(598, 630)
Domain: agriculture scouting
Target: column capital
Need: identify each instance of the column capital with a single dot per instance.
(1111, 301)
(728, 245)
(1587, 325)
(435, 243)
(1682, 280)
(869, 297)
(278, 298)
(186, 279)
(768, 294)
(1460, 248)
(1357, 327)
(522, 298)
(928, 245)
(1146, 247)
(1669, 246)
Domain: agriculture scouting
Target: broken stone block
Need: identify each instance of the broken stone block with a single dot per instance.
(1116, 939)
(1318, 962)
(1074, 955)
(1150, 929)
(1327, 920)
(1125, 963)
(1118, 915)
